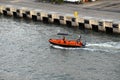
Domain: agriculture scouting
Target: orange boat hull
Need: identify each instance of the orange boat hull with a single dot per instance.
(66, 43)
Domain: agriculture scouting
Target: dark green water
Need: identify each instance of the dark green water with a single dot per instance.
(25, 53)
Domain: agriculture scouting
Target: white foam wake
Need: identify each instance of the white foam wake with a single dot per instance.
(111, 45)
(107, 47)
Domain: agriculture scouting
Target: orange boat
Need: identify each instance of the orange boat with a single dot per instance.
(67, 43)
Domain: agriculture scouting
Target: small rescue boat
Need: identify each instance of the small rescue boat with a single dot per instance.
(67, 43)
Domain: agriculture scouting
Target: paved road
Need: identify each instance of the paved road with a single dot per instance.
(100, 9)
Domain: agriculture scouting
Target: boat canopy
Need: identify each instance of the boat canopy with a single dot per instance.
(64, 34)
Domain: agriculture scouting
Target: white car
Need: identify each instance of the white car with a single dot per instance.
(73, 1)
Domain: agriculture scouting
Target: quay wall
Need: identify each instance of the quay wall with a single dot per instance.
(82, 23)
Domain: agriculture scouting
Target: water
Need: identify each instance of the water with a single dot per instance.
(25, 53)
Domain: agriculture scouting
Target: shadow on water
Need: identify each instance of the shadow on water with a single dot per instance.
(70, 29)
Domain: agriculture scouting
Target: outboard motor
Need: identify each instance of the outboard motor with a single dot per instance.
(84, 44)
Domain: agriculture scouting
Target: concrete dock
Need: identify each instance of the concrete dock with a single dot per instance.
(99, 16)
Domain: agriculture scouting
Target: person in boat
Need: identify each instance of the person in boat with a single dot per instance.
(64, 39)
(79, 39)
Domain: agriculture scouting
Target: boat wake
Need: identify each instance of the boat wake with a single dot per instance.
(107, 47)
(111, 45)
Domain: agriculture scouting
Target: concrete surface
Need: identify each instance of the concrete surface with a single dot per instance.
(100, 9)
